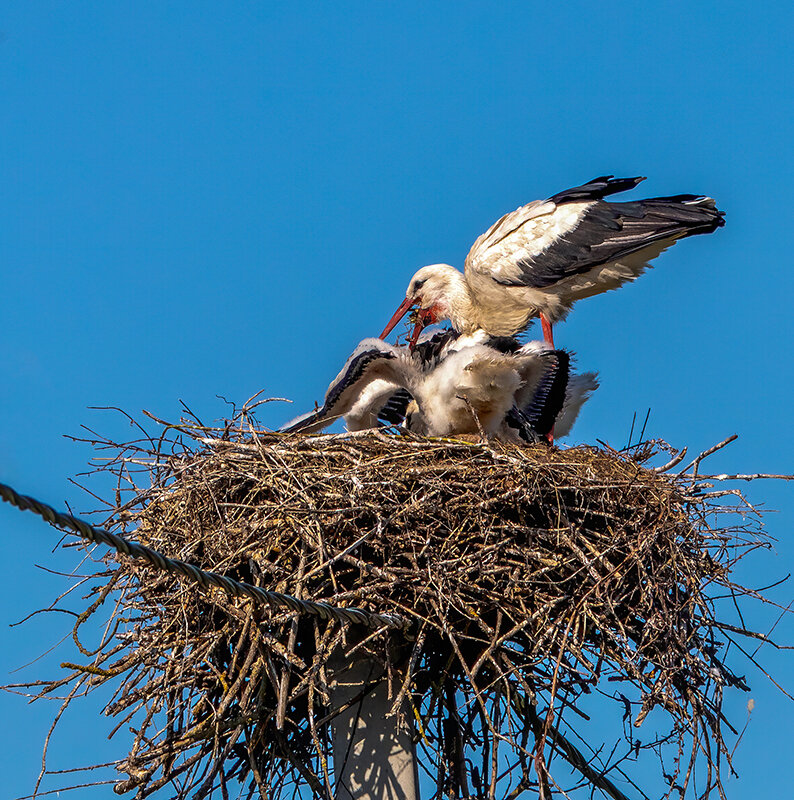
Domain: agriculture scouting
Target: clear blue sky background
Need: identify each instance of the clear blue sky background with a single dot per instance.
(202, 199)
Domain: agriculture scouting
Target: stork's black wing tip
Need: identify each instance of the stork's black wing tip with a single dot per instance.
(597, 188)
(698, 211)
(703, 201)
(302, 422)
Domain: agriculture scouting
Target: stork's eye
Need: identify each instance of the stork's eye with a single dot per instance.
(419, 284)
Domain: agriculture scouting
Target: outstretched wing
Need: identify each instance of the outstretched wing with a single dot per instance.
(546, 404)
(575, 231)
(539, 404)
(371, 364)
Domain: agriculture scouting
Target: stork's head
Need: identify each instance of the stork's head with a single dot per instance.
(430, 290)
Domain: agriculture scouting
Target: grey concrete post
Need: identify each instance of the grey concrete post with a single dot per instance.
(374, 755)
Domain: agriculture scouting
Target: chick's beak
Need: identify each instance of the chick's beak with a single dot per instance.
(405, 306)
(424, 317)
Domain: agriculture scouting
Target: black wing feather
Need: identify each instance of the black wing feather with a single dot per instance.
(431, 350)
(304, 421)
(516, 420)
(393, 411)
(504, 344)
(595, 189)
(549, 397)
(610, 231)
(355, 369)
(536, 420)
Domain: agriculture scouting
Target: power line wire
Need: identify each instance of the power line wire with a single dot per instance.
(203, 578)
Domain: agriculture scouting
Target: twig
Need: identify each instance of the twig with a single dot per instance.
(706, 453)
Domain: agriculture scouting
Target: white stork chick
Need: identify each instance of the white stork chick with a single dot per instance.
(449, 385)
(553, 404)
(471, 389)
(541, 258)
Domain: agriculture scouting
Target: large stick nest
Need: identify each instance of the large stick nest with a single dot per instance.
(529, 577)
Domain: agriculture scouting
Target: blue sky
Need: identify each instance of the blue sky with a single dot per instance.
(204, 199)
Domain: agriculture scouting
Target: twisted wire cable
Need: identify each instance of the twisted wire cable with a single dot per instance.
(190, 572)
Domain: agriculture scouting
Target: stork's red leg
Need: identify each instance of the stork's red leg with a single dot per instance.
(548, 334)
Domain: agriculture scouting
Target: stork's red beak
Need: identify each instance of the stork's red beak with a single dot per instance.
(404, 308)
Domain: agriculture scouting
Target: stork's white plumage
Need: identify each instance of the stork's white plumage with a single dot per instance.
(541, 258)
(471, 388)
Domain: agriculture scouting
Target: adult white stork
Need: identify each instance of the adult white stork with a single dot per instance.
(541, 258)
(451, 385)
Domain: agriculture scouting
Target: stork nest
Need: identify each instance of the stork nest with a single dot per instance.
(529, 579)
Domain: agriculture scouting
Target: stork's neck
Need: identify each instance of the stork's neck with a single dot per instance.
(462, 310)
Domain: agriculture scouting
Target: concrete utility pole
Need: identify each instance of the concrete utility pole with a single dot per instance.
(374, 755)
